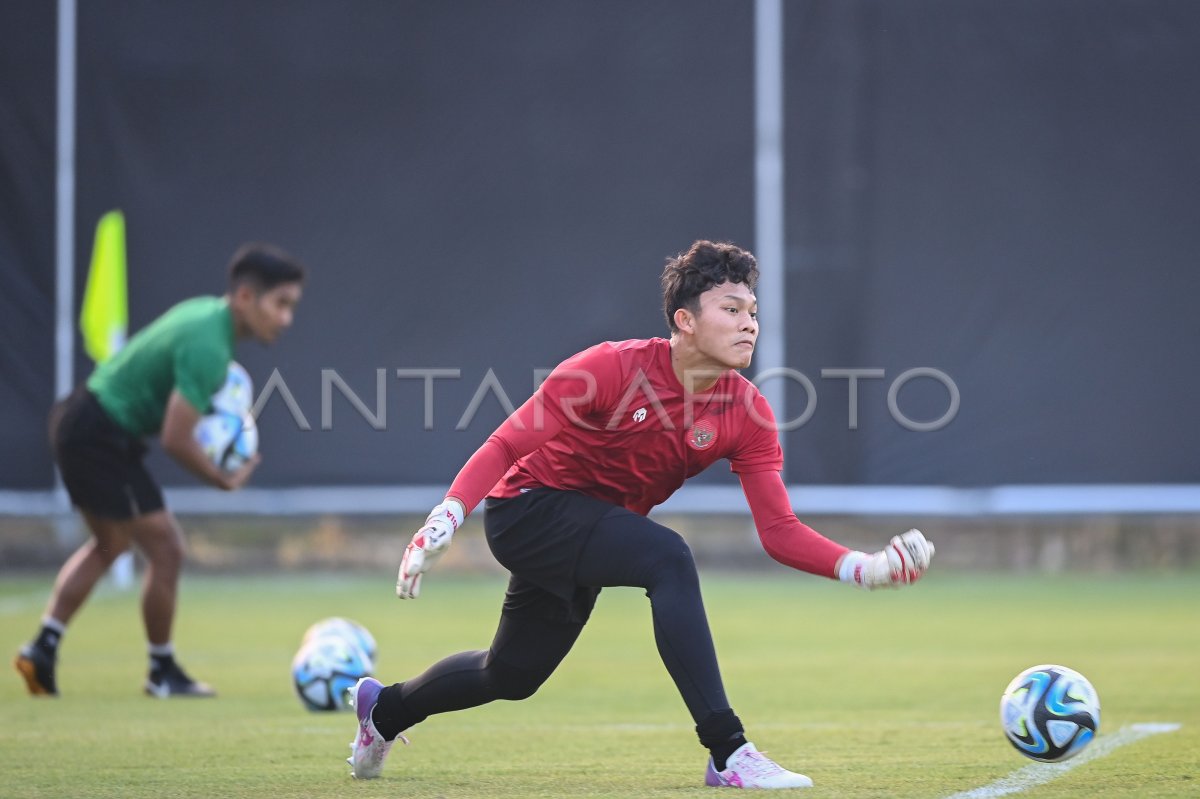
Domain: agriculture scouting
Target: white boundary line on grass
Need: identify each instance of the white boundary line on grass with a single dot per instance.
(1040, 773)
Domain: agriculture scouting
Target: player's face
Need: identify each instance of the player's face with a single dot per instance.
(270, 313)
(726, 329)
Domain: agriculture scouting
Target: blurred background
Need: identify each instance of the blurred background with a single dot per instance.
(978, 225)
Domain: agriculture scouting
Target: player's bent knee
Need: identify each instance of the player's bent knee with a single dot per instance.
(160, 539)
(109, 551)
(165, 554)
(512, 682)
(675, 556)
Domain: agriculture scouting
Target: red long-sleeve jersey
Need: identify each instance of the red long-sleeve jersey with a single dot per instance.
(613, 422)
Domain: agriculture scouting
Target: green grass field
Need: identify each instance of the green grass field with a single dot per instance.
(872, 695)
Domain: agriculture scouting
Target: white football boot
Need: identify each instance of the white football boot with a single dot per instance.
(749, 768)
(368, 750)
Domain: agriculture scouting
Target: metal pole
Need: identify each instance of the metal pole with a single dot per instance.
(769, 238)
(67, 532)
(64, 218)
(64, 222)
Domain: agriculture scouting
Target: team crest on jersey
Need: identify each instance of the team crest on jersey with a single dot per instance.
(702, 435)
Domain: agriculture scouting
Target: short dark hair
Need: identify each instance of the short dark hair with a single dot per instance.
(704, 265)
(263, 266)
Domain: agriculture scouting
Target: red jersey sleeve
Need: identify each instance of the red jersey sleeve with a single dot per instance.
(514, 439)
(784, 537)
(568, 396)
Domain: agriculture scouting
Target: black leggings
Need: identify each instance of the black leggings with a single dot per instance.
(624, 549)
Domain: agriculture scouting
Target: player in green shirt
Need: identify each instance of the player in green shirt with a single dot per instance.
(161, 383)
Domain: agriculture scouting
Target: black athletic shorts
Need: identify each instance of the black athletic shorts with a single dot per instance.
(100, 462)
(538, 536)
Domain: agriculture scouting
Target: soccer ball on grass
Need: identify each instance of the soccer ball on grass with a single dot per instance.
(325, 669)
(348, 629)
(1050, 713)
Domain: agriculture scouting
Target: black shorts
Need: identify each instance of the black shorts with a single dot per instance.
(538, 536)
(100, 462)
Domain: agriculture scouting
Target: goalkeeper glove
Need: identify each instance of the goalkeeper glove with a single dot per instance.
(903, 561)
(427, 546)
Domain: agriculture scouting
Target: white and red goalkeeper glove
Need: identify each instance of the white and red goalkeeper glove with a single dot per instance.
(427, 546)
(903, 561)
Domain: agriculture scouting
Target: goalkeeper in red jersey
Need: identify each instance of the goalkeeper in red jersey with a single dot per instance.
(568, 481)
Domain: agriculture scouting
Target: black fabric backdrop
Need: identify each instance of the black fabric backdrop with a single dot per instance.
(27, 36)
(1007, 193)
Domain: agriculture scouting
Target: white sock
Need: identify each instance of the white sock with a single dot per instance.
(54, 624)
(162, 650)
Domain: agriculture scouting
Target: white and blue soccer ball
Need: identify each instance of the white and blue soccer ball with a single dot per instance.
(347, 629)
(325, 670)
(236, 395)
(229, 440)
(1050, 713)
(227, 434)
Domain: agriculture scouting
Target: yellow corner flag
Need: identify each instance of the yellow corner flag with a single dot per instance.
(104, 318)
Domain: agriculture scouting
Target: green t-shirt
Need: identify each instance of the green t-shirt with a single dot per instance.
(187, 348)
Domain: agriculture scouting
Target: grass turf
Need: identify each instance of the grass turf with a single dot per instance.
(872, 695)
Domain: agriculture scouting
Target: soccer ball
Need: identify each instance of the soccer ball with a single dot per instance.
(324, 671)
(346, 629)
(237, 394)
(229, 440)
(1050, 713)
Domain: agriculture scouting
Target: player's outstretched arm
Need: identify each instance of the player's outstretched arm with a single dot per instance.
(427, 545)
(904, 560)
(795, 544)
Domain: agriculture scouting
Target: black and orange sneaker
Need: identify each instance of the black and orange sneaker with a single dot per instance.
(36, 665)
